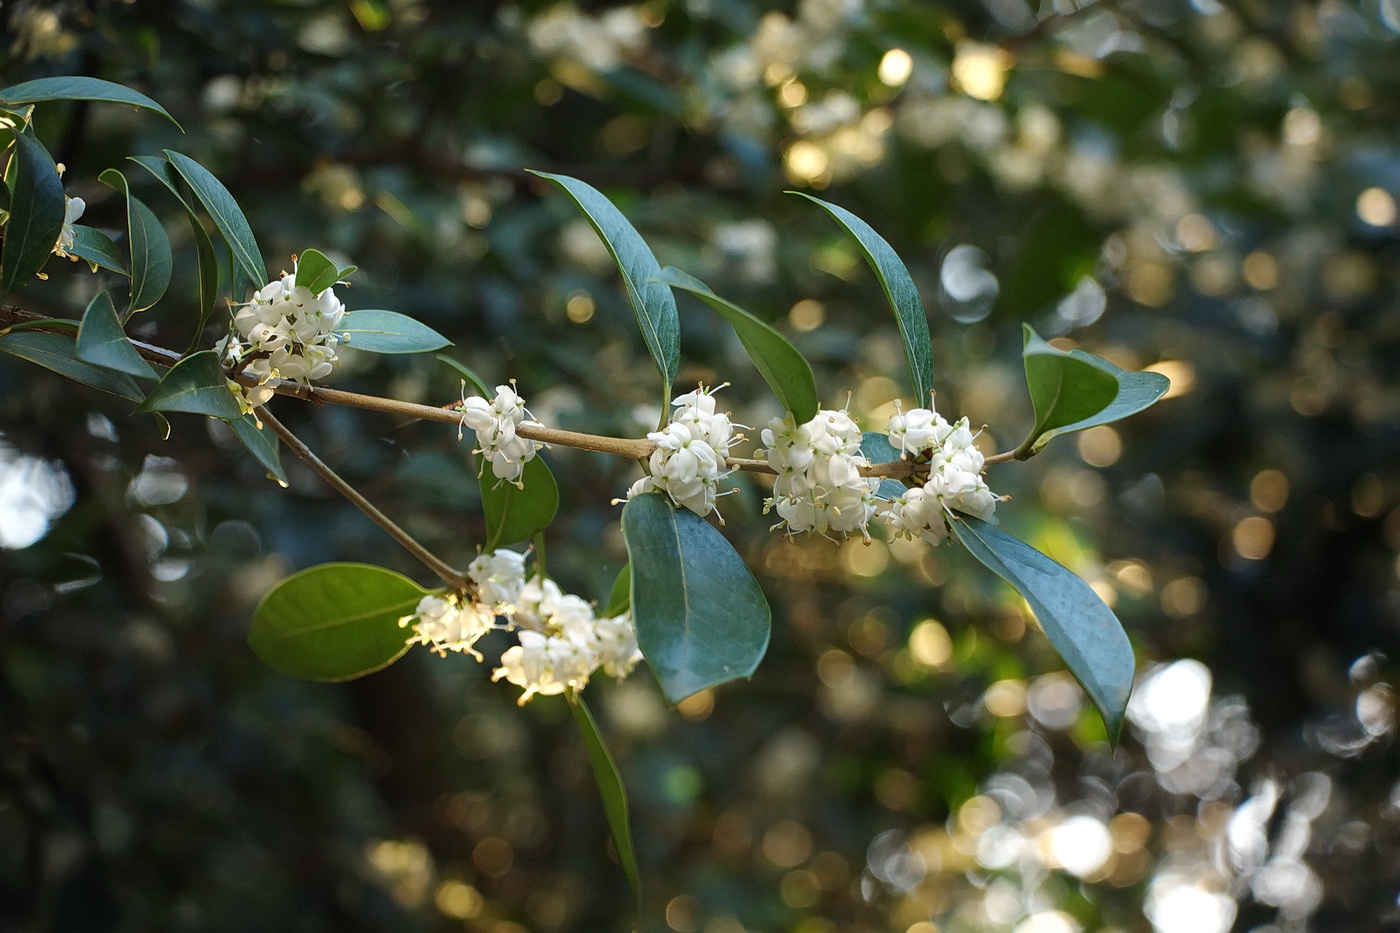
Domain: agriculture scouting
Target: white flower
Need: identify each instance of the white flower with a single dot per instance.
(72, 209)
(917, 430)
(499, 577)
(819, 487)
(448, 624)
(691, 453)
(495, 423)
(954, 482)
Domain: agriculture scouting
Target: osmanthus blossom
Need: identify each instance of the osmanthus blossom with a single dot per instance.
(691, 453)
(72, 209)
(954, 475)
(495, 423)
(819, 486)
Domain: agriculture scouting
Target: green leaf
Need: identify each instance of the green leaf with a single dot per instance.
(150, 247)
(901, 291)
(227, 215)
(37, 207)
(515, 514)
(466, 372)
(78, 88)
(197, 385)
(334, 621)
(1136, 391)
(1085, 632)
(614, 795)
(1065, 390)
(620, 596)
(877, 449)
(701, 618)
(164, 172)
(653, 302)
(56, 352)
(317, 272)
(103, 342)
(96, 247)
(261, 444)
(388, 332)
(783, 368)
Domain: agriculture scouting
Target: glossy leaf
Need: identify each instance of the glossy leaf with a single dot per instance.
(610, 787)
(37, 207)
(877, 449)
(78, 88)
(1136, 391)
(103, 342)
(901, 291)
(226, 214)
(1085, 632)
(208, 260)
(56, 352)
(261, 443)
(388, 332)
(196, 385)
(1065, 390)
(783, 368)
(701, 618)
(652, 300)
(96, 247)
(317, 272)
(514, 514)
(150, 248)
(334, 621)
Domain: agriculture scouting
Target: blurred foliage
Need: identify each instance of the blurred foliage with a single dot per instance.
(1207, 189)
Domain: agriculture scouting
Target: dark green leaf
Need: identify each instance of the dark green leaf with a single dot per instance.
(514, 514)
(78, 88)
(466, 372)
(261, 443)
(56, 352)
(150, 247)
(96, 247)
(614, 795)
(37, 207)
(1065, 390)
(700, 615)
(165, 173)
(901, 291)
(620, 596)
(783, 368)
(388, 332)
(196, 385)
(652, 301)
(226, 213)
(103, 342)
(877, 449)
(43, 323)
(1085, 632)
(317, 272)
(334, 621)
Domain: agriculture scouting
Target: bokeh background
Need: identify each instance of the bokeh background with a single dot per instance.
(1204, 188)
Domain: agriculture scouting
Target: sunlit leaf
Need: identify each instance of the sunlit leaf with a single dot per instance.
(652, 300)
(78, 88)
(901, 291)
(1136, 391)
(317, 272)
(388, 332)
(1065, 390)
(150, 248)
(1080, 626)
(226, 213)
(96, 247)
(784, 369)
(196, 385)
(610, 786)
(261, 443)
(57, 352)
(514, 514)
(334, 621)
(37, 206)
(701, 618)
(103, 342)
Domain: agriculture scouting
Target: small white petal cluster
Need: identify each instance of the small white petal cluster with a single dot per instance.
(819, 487)
(689, 460)
(285, 332)
(72, 209)
(562, 641)
(495, 423)
(954, 483)
(566, 643)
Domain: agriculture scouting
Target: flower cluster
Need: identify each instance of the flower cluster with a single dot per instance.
(495, 423)
(819, 487)
(691, 451)
(954, 482)
(285, 332)
(561, 641)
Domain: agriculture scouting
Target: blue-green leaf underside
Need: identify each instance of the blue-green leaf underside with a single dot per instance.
(653, 302)
(610, 787)
(1080, 626)
(877, 449)
(37, 206)
(388, 332)
(103, 342)
(78, 87)
(784, 369)
(1065, 390)
(514, 514)
(901, 291)
(334, 621)
(56, 352)
(701, 617)
(195, 385)
(1136, 391)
